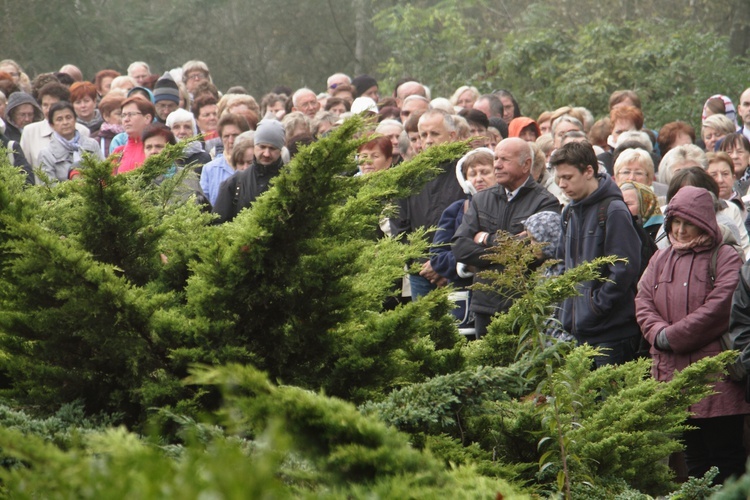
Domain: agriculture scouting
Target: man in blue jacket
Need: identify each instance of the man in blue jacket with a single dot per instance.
(604, 314)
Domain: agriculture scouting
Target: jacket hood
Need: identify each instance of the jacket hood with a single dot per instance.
(607, 188)
(18, 98)
(466, 185)
(695, 205)
(520, 123)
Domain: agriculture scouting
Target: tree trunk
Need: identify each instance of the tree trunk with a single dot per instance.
(739, 33)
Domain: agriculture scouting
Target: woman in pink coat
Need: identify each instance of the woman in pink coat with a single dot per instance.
(683, 315)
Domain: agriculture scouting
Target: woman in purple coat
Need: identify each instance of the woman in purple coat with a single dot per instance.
(683, 315)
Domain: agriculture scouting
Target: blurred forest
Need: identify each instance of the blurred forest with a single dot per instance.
(548, 52)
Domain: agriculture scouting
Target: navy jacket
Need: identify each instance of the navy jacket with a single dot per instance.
(605, 311)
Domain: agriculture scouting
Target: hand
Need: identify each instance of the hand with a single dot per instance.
(479, 238)
(433, 277)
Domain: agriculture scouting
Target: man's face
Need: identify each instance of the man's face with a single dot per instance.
(432, 131)
(140, 74)
(12, 71)
(483, 105)
(228, 134)
(266, 154)
(335, 81)
(47, 102)
(392, 132)
(407, 89)
(415, 142)
(410, 107)
(23, 115)
(574, 183)
(509, 171)
(308, 104)
(744, 107)
(182, 130)
(164, 107)
(562, 129)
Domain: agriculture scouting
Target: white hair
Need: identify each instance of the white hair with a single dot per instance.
(135, 65)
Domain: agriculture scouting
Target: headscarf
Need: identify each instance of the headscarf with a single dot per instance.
(545, 227)
(648, 204)
(728, 107)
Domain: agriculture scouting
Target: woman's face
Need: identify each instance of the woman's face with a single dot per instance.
(711, 136)
(683, 231)
(182, 130)
(630, 196)
(64, 123)
(245, 161)
(114, 117)
(740, 157)
(133, 121)
(105, 85)
(338, 109)
(373, 160)
(722, 174)
(85, 108)
(466, 99)
(562, 129)
(633, 172)
(154, 145)
(208, 118)
(481, 176)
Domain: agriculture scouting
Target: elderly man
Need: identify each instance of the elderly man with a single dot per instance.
(305, 101)
(504, 207)
(336, 80)
(410, 88)
(241, 190)
(424, 209)
(139, 71)
(412, 104)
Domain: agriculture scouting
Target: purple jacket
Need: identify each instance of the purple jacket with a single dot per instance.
(675, 294)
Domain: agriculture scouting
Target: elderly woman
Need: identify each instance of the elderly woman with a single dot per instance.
(715, 128)
(562, 125)
(375, 155)
(737, 147)
(193, 73)
(64, 153)
(721, 169)
(637, 165)
(182, 124)
(683, 314)
(643, 205)
(465, 97)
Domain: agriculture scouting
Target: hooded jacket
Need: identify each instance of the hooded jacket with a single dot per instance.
(676, 295)
(605, 310)
(240, 190)
(517, 124)
(16, 99)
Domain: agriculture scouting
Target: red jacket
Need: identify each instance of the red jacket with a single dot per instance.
(675, 294)
(132, 157)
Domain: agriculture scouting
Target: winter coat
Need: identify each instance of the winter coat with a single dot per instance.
(443, 261)
(490, 211)
(37, 136)
(676, 295)
(214, 173)
(56, 161)
(241, 189)
(605, 310)
(132, 157)
(12, 132)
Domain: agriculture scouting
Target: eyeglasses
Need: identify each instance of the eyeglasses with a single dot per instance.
(130, 115)
(197, 76)
(634, 173)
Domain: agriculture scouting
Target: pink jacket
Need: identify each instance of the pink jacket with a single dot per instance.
(133, 155)
(675, 294)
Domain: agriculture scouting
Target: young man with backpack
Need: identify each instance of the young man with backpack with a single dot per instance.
(598, 223)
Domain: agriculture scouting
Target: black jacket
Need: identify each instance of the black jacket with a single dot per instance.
(240, 190)
(490, 211)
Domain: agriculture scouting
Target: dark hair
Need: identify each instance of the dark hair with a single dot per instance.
(54, 89)
(412, 123)
(475, 116)
(577, 154)
(144, 105)
(296, 142)
(333, 101)
(382, 143)
(65, 78)
(205, 88)
(496, 106)
(202, 102)
(625, 146)
(734, 140)
(238, 121)
(693, 176)
(58, 106)
(40, 81)
(271, 99)
(716, 106)
(506, 93)
(599, 132)
(157, 129)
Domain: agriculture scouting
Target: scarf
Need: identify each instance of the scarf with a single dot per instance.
(648, 204)
(702, 240)
(71, 146)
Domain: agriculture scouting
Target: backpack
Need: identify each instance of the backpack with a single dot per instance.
(648, 246)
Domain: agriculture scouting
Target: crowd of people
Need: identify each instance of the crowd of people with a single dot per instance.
(670, 204)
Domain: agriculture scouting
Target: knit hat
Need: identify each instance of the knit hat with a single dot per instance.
(270, 132)
(165, 89)
(545, 227)
(363, 82)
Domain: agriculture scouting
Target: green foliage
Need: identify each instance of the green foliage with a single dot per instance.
(582, 66)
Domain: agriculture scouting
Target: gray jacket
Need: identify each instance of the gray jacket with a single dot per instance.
(55, 160)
